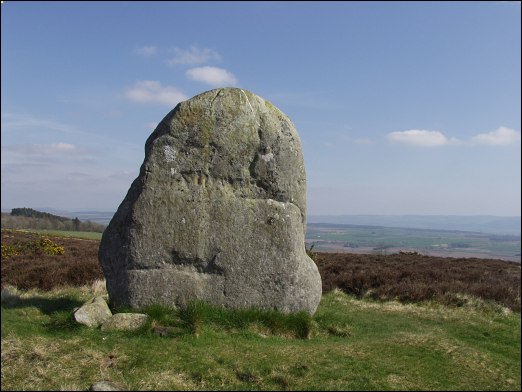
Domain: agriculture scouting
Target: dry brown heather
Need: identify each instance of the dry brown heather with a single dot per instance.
(407, 277)
(411, 277)
(77, 266)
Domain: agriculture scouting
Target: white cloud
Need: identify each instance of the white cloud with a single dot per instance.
(212, 75)
(26, 124)
(66, 185)
(40, 154)
(501, 137)
(25, 121)
(193, 56)
(42, 149)
(151, 91)
(422, 138)
(146, 50)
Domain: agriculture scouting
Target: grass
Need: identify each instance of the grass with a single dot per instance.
(349, 344)
(456, 328)
(88, 235)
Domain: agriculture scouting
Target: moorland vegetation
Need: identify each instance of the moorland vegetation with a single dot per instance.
(395, 322)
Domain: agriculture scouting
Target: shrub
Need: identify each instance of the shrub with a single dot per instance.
(46, 246)
(9, 250)
(42, 246)
(411, 277)
(32, 261)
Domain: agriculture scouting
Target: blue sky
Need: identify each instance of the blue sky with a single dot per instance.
(402, 107)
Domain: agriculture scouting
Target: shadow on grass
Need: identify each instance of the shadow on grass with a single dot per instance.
(59, 310)
(47, 306)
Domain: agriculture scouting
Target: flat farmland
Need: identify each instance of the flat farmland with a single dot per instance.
(386, 240)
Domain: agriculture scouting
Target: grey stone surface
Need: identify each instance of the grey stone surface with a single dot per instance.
(106, 386)
(125, 321)
(217, 212)
(93, 313)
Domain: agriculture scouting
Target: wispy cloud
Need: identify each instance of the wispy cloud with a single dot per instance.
(25, 121)
(64, 174)
(192, 56)
(28, 124)
(151, 91)
(71, 186)
(212, 75)
(421, 138)
(146, 50)
(18, 155)
(42, 149)
(501, 137)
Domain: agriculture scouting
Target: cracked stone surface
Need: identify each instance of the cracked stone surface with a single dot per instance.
(217, 212)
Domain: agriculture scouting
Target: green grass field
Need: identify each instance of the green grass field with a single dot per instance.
(352, 345)
(88, 235)
(347, 238)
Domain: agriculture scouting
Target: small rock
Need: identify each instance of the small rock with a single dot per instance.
(106, 386)
(125, 321)
(93, 313)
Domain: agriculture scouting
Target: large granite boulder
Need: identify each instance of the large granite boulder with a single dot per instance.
(217, 212)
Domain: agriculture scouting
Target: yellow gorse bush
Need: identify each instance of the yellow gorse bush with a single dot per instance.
(50, 248)
(8, 250)
(41, 246)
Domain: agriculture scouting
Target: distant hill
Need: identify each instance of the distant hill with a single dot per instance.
(479, 223)
(30, 213)
(29, 218)
(97, 216)
(510, 225)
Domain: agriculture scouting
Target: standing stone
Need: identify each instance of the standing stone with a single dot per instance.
(217, 212)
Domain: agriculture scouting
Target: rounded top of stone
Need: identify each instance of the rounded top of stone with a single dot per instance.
(233, 91)
(236, 136)
(235, 97)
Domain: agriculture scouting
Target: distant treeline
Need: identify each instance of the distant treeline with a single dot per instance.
(27, 218)
(30, 213)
